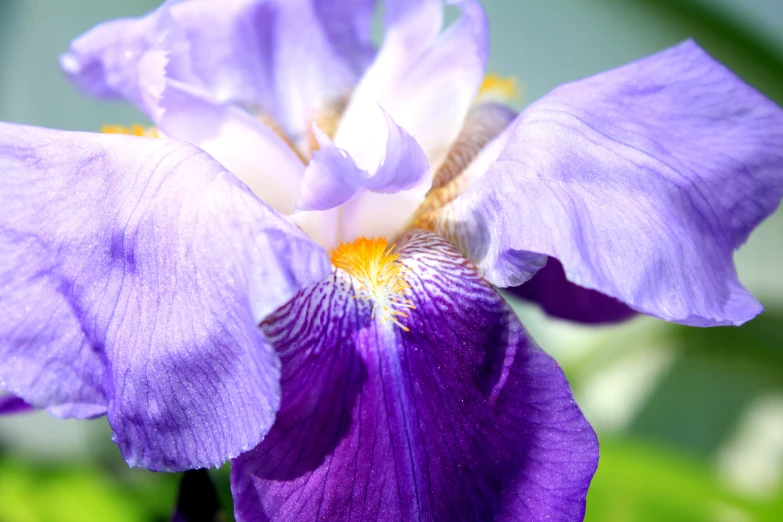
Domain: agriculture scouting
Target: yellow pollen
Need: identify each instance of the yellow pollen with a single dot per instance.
(495, 85)
(134, 130)
(380, 274)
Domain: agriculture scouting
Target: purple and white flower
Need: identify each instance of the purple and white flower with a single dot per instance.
(181, 285)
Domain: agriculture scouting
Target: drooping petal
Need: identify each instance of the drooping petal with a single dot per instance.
(460, 418)
(425, 83)
(13, 404)
(641, 181)
(561, 298)
(133, 273)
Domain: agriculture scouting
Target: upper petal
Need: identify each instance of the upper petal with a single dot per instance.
(641, 181)
(460, 418)
(246, 146)
(134, 272)
(426, 84)
(285, 58)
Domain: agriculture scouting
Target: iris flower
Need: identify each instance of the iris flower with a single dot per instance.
(296, 269)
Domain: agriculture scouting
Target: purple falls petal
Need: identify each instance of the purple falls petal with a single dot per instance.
(641, 181)
(560, 298)
(12, 404)
(460, 418)
(133, 273)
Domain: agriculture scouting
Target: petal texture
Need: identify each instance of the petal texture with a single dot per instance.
(460, 418)
(133, 273)
(641, 181)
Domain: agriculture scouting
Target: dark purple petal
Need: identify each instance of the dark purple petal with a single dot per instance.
(559, 297)
(641, 181)
(460, 418)
(134, 272)
(13, 404)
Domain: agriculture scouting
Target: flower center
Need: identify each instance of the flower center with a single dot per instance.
(380, 275)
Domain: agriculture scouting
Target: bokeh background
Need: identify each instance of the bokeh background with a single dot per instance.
(690, 420)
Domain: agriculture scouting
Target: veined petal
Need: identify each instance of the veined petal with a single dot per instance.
(12, 404)
(425, 84)
(460, 418)
(641, 181)
(133, 273)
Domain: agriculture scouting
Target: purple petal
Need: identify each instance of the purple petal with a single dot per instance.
(12, 404)
(103, 62)
(331, 178)
(425, 83)
(561, 298)
(641, 181)
(134, 272)
(251, 150)
(404, 164)
(283, 58)
(460, 418)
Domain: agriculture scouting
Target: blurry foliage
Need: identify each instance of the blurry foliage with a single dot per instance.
(72, 493)
(646, 483)
(719, 372)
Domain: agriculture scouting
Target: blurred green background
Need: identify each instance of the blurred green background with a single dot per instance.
(690, 420)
